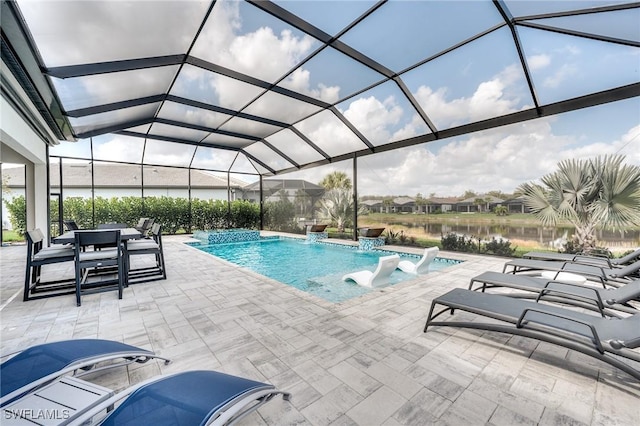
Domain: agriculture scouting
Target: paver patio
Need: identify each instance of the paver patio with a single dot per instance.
(362, 362)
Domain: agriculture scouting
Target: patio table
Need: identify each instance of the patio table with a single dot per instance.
(125, 234)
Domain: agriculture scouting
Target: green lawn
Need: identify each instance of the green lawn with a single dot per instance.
(11, 236)
(522, 219)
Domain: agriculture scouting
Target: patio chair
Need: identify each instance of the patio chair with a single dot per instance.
(144, 226)
(187, 398)
(97, 260)
(598, 299)
(38, 256)
(71, 225)
(607, 276)
(140, 226)
(606, 339)
(377, 278)
(586, 259)
(146, 246)
(422, 266)
(38, 365)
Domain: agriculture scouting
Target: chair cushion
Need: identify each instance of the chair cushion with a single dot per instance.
(50, 254)
(142, 245)
(98, 255)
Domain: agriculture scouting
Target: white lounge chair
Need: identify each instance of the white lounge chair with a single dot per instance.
(377, 278)
(422, 266)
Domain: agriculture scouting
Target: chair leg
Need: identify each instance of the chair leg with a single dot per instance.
(35, 277)
(164, 271)
(27, 283)
(121, 273)
(78, 284)
(127, 264)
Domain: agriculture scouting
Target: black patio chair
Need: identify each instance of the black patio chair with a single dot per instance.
(37, 256)
(97, 261)
(71, 225)
(146, 246)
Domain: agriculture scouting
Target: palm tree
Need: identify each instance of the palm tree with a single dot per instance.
(337, 207)
(336, 180)
(602, 192)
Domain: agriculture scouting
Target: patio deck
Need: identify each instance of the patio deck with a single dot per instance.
(361, 362)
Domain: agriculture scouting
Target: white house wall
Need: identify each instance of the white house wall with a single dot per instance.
(23, 145)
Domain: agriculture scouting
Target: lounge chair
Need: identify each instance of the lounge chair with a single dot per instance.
(377, 278)
(585, 259)
(603, 338)
(188, 398)
(607, 276)
(422, 266)
(602, 300)
(38, 365)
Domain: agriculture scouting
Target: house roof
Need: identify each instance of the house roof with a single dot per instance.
(403, 200)
(485, 198)
(120, 175)
(269, 87)
(271, 186)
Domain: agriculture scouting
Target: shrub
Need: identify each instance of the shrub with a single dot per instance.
(462, 243)
(279, 216)
(18, 214)
(172, 213)
(499, 247)
(392, 237)
(245, 214)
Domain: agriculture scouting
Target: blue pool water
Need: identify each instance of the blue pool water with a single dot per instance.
(316, 268)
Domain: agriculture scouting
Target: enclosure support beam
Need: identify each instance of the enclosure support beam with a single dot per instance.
(261, 206)
(355, 197)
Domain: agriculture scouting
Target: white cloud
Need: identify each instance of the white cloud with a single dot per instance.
(489, 100)
(499, 159)
(562, 74)
(537, 62)
(300, 81)
(101, 32)
(373, 117)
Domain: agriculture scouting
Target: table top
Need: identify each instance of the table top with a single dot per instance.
(125, 234)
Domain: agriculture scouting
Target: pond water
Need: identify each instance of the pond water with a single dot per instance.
(541, 235)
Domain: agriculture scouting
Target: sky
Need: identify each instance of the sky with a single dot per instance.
(479, 80)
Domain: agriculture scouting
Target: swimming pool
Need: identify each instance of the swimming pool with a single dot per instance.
(315, 268)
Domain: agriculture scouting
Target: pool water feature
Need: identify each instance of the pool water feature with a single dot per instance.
(221, 236)
(316, 268)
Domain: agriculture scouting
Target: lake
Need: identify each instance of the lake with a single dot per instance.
(535, 234)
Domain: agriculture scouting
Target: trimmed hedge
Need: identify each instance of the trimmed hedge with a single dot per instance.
(173, 213)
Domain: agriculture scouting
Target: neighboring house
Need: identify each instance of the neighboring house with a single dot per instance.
(409, 205)
(116, 180)
(374, 206)
(404, 205)
(444, 205)
(302, 194)
(293, 188)
(121, 180)
(516, 205)
(479, 203)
